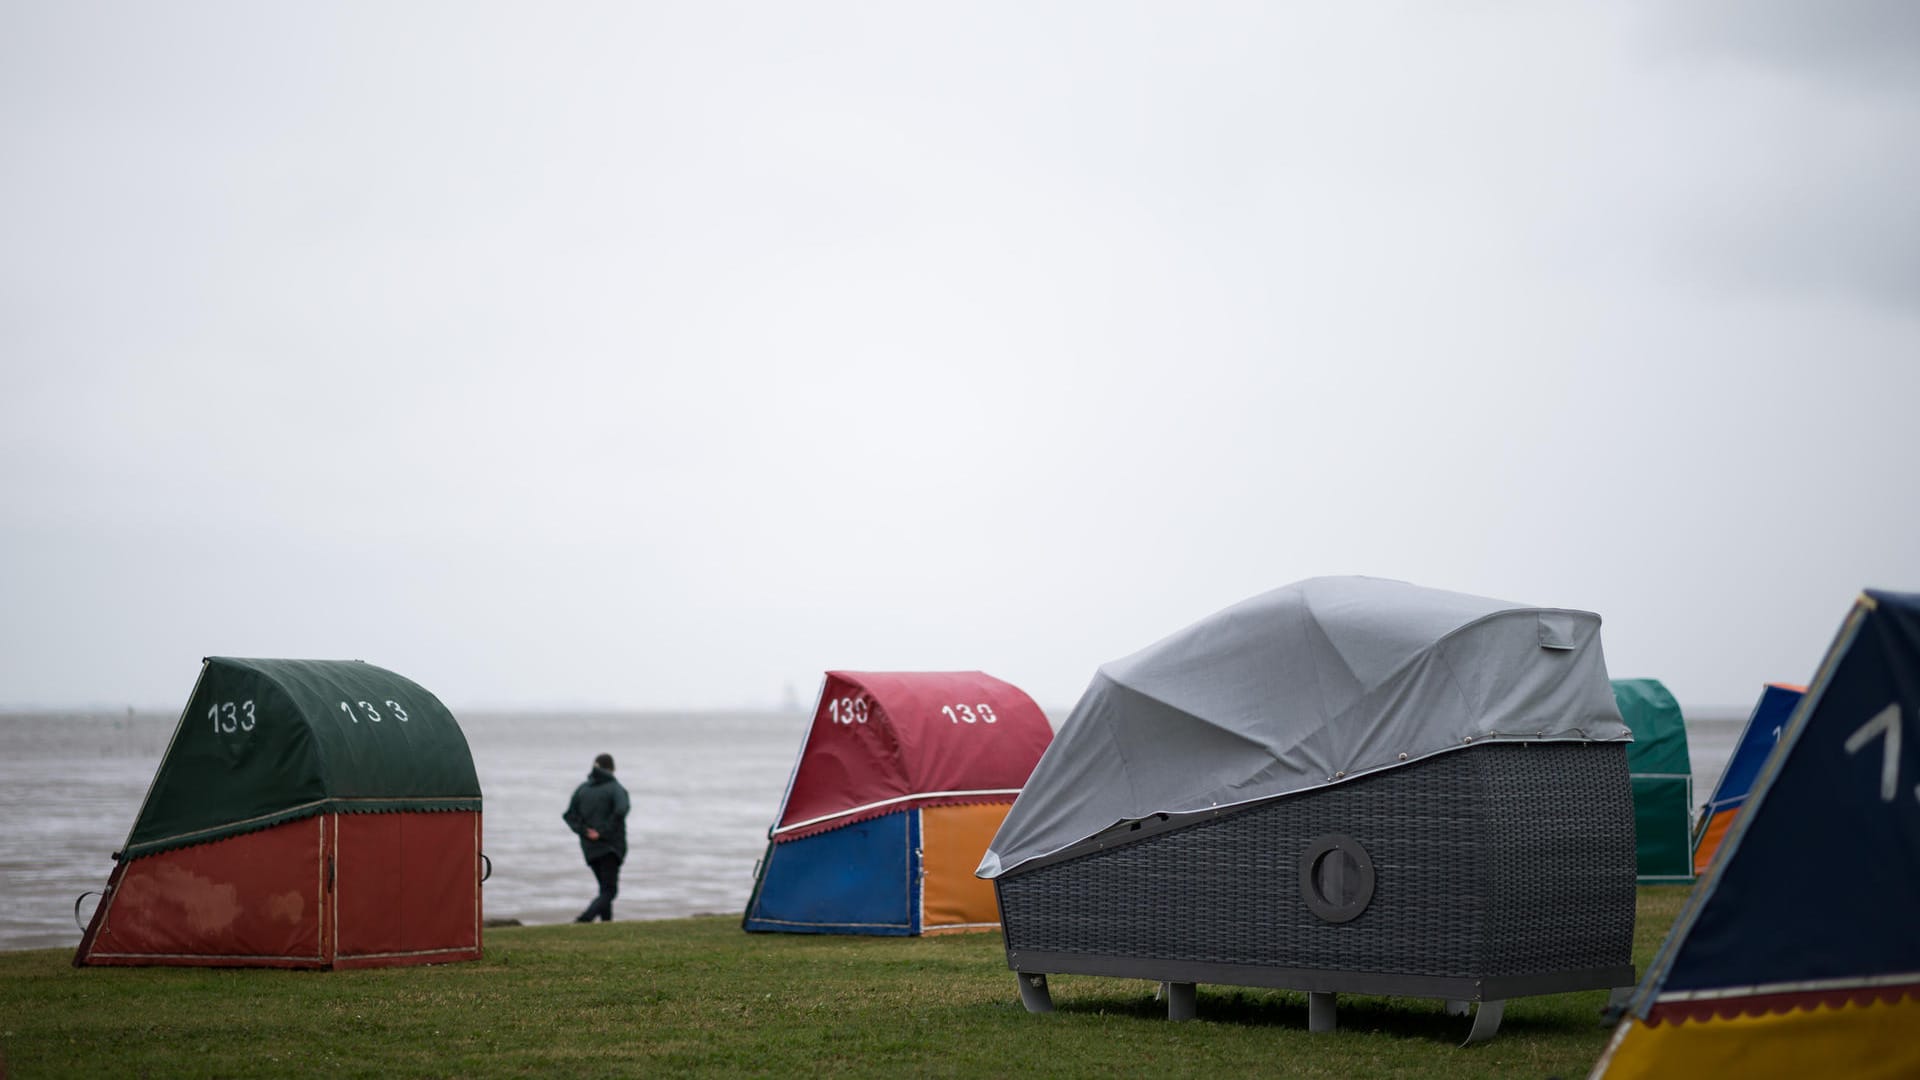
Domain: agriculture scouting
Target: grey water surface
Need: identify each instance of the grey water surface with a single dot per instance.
(705, 786)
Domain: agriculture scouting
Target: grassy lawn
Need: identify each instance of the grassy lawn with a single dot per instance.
(698, 995)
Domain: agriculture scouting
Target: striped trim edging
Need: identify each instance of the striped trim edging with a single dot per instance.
(891, 802)
(1866, 982)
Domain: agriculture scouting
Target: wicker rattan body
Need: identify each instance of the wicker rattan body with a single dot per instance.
(1498, 870)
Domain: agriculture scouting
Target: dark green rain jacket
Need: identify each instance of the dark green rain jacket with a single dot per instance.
(600, 804)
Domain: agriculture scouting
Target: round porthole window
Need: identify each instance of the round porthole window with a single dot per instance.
(1336, 878)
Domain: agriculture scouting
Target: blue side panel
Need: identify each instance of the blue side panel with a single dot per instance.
(1769, 718)
(862, 878)
(1821, 880)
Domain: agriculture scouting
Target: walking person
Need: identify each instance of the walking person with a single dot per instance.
(598, 813)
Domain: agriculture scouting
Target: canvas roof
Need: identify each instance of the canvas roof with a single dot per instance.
(1659, 729)
(882, 741)
(1757, 740)
(1305, 686)
(267, 741)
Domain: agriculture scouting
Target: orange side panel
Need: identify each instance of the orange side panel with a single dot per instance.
(407, 888)
(251, 900)
(1711, 840)
(952, 841)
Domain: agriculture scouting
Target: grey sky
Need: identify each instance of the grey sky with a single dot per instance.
(663, 356)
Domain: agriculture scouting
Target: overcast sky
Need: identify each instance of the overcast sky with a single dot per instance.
(665, 356)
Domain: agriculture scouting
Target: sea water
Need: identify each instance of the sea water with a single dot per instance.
(704, 786)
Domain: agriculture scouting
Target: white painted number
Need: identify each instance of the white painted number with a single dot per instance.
(372, 714)
(231, 716)
(981, 713)
(848, 710)
(1885, 722)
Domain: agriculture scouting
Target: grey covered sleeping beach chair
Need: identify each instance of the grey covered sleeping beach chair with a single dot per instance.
(1346, 785)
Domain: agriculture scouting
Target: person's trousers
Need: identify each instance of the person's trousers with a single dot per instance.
(606, 870)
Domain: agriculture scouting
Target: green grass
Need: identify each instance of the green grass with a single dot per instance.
(700, 996)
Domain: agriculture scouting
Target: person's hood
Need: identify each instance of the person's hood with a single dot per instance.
(599, 776)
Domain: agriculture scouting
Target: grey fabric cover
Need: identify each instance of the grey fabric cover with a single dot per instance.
(1308, 685)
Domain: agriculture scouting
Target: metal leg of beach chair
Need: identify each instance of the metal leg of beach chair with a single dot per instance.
(1486, 1021)
(1320, 1012)
(1181, 1001)
(1033, 992)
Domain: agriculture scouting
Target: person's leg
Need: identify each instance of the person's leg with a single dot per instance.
(607, 869)
(602, 905)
